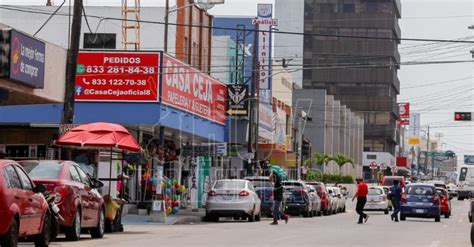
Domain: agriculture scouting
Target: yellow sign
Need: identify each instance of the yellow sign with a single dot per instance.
(414, 140)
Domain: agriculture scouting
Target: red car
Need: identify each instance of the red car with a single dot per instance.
(323, 194)
(445, 202)
(23, 210)
(80, 204)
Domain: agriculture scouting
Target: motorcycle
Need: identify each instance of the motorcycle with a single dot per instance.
(55, 211)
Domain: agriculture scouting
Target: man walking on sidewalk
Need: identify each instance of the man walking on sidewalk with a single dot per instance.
(361, 195)
(396, 197)
(277, 199)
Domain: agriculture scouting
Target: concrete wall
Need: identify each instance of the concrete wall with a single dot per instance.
(290, 15)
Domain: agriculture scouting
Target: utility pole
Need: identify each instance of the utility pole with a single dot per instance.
(428, 149)
(253, 116)
(72, 53)
(167, 11)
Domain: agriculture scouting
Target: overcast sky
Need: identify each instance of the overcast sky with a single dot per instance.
(427, 19)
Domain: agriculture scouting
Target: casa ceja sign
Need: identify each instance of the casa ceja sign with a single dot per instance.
(188, 89)
(27, 60)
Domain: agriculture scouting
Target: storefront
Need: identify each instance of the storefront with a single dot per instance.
(164, 103)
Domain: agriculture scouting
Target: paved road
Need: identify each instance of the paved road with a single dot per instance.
(337, 230)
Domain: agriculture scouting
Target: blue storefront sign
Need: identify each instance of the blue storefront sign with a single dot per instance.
(27, 60)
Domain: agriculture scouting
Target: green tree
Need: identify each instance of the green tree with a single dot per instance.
(318, 159)
(341, 160)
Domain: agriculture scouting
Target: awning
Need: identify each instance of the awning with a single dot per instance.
(151, 114)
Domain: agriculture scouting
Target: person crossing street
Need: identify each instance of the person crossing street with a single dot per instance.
(396, 197)
(361, 195)
(277, 199)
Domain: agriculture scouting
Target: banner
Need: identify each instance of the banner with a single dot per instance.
(27, 60)
(265, 22)
(266, 122)
(188, 89)
(117, 76)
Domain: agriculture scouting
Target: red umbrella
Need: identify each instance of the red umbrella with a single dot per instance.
(101, 135)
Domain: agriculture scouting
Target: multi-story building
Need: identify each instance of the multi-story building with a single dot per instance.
(360, 72)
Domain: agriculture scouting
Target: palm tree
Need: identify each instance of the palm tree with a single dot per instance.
(318, 159)
(341, 160)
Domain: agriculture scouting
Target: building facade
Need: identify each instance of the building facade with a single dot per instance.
(360, 72)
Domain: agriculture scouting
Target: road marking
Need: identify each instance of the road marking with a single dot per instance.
(435, 244)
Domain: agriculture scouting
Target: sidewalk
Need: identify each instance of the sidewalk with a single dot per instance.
(182, 217)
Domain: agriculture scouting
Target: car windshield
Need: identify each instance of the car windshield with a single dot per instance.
(261, 183)
(420, 190)
(42, 170)
(232, 185)
(375, 191)
(441, 192)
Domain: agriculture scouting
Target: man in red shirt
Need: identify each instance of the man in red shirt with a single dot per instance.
(361, 195)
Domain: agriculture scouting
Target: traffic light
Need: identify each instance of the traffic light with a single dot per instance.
(462, 116)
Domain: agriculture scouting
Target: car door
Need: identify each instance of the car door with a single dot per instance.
(34, 202)
(18, 197)
(79, 191)
(92, 199)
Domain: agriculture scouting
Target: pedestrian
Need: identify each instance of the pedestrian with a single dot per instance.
(396, 197)
(304, 172)
(361, 195)
(277, 199)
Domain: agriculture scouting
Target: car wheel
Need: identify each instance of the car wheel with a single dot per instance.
(74, 233)
(460, 198)
(438, 218)
(54, 228)
(344, 209)
(306, 214)
(251, 217)
(11, 238)
(390, 208)
(472, 234)
(43, 239)
(236, 218)
(446, 215)
(386, 211)
(402, 217)
(98, 232)
(257, 217)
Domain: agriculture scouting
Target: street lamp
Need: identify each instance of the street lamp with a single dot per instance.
(204, 4)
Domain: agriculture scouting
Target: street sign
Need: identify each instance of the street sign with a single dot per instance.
(373, 165)
(413, 140)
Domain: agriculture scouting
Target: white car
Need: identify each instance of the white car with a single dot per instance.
(316, 207)
(377, 200)
(341, 200)
(233, 198)
(334, 200)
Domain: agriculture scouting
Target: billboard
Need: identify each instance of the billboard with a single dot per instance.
(188, 89)
(27, 59)
(117, 76)
(264, 21)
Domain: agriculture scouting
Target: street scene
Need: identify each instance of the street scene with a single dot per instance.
(236, 123)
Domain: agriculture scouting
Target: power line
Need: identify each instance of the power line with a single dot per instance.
(14, 8)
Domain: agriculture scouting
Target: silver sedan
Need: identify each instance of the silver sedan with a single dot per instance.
(233, 198)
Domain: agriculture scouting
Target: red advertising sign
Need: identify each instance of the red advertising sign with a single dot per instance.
(117, 76)
(404, 110)
(191, 90)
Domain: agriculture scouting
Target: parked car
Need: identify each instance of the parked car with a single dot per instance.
(295, 192)
(386, 189)
(452, 190)
(316, 208)
(333, 199)
(233, 198)
(24, 212)
(264, 189)
(377, 199)
(78, 199)
(388, 181)
(421, 201)
(445, 202)
(341, 200)
(323, 195)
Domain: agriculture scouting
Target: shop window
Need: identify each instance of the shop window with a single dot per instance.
(99, 40)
